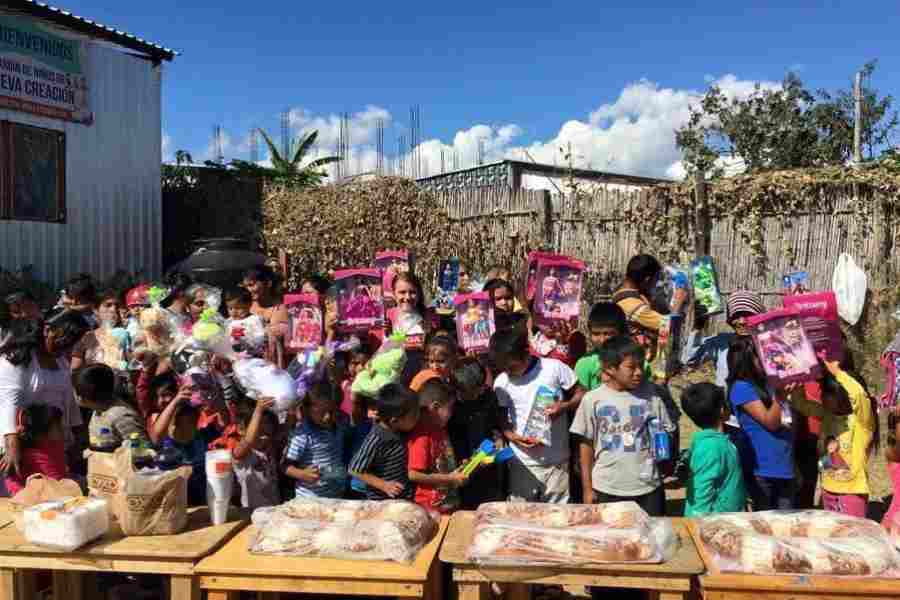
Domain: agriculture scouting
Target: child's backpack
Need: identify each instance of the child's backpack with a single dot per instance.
(890, 362)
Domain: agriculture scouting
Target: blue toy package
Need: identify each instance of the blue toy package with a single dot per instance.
(672, 278)
(795, 283)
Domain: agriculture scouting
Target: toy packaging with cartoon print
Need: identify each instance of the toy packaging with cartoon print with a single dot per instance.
(474, 321)
(558, 293)
(360, 305)
(305, 322)
(391, 263)
(783, 347)
(706, 285)
(819, 316)
(533, 259)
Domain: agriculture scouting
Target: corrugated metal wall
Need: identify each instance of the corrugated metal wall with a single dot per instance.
(113, 195)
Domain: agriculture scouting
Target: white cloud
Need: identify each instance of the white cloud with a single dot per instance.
(634, 134)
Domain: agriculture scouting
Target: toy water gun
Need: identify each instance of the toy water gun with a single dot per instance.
(487, 454)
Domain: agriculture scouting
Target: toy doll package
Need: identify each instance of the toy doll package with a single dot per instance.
(706, 285)
(391, 263)
(448, 275)
(447, 286)
(558, 293)
(533, 259)
(360, 306)
(819, 317)
(795, 283)
(786, 354)
(304, 322)
(474, 321)
(674, 277)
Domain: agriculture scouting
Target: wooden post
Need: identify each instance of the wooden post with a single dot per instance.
(702, 234)
(857, 121)
(546, 208)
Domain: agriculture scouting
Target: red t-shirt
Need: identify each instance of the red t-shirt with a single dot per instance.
(430, 452)
(47, 458)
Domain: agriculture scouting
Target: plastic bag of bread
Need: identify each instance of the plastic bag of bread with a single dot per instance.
(66, 524)
(345, 529)
(38, 490)
(544, 534)
(798, 542)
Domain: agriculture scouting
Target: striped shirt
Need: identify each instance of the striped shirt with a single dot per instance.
(311, 445)
(383, 454)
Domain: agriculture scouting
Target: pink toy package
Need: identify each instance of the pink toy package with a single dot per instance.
(305, 322)
(558, 291)
(391, 263)
(360, 306)
(533, 259)
(785, 351)
(819, 316)
(474, 321)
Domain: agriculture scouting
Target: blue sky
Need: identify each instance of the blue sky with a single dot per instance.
(611, 78)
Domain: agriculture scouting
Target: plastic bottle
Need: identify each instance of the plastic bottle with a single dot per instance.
(169, 457)
(141, 454)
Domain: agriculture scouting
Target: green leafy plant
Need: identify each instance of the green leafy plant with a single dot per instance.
(287, 170)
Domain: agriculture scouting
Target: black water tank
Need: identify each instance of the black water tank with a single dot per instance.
(220, 261)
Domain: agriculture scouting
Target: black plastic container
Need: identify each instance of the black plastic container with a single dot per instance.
(220, 261)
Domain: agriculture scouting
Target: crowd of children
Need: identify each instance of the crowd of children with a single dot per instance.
(582, 414)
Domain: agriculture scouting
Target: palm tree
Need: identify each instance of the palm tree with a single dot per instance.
(286, 170)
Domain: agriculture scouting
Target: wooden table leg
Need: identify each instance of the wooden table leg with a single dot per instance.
(518, 591)
(184, 588)
(469, 590)
(26, 584)
(222, 595)
(68, 585)
(7, 584)
(674, 595)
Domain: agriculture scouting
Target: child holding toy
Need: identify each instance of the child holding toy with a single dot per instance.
(251, 440)
(850, 421)
(315, 453)
(432, 464)
(537, 394)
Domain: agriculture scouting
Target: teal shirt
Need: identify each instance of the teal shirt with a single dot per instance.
(716, 484)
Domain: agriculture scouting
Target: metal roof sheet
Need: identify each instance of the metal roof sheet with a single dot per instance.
(87, 26)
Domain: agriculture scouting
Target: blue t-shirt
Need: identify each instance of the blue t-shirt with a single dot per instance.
(773, 453)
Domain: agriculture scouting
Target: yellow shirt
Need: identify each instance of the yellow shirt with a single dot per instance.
(853, 432)
(638, 310)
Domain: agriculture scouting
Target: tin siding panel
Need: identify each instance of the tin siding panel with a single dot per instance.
(113, 192)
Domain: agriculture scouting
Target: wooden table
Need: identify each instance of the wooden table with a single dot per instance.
(173, 555)
(234, 569)
(716, 585)
(672, 580)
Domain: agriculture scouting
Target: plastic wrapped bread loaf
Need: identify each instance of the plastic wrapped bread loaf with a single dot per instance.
(798, 542)
(535, 534)
(66, 524)
(345, 529)
(613, 514)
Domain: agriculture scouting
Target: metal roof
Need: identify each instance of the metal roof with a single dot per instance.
(66, 19)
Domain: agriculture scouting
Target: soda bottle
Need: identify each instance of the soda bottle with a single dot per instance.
(141, 454)
(169, 457)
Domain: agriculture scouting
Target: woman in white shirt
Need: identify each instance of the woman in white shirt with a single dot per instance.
(34, 369)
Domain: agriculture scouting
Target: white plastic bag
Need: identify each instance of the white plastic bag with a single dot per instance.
(262, 379)
(849, 284)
